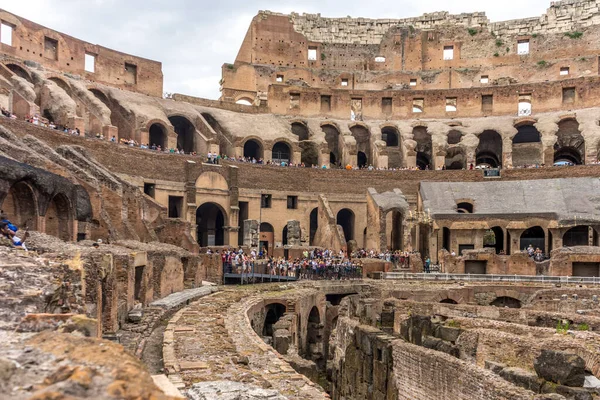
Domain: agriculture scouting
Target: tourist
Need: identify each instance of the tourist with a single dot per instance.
(427, 265)
(8, 233)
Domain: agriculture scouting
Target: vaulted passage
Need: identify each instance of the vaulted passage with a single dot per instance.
(569, 146)
(489, 150)
(424, 147)
(19, 71)
(314, 224)
(58, 218)
(310, 153)
(391, 137)
(21, 207)
(314, 337)
(211, 221)
(527, 146)
(300, 130)
(158, 135)
(253, 149)
(281, 153)
(494, 238)
(577, 236)
(533, 236)
(505, 301)
(185, 133)
(363, 144)
(332, 138)
(456, 158)
(273, 312)
(345, 218)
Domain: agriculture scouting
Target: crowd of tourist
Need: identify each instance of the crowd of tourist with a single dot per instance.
(536, 253)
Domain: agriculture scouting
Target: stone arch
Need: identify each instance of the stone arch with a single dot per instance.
(576, 236)
(244, 100)
(253, 148)
(362, 135)
(64, 85)
(570, 145)
(448, 301)
(21, 205)
(20, 71)
(534, 236)
(309, 155)
(225, 145)
(454, 137)
(157, 135)
(424, 148)
(392, 138)
(186, 133)
(313, 225)
(489, 150)
(345, 218)
(314, 336)
(213, 181)
(526, 145)
(282, 152)
(300, 130)
(494, 238)
(273, 312)
(506, 301)
(100, 95)
(284, 235)
(332, 135)
(394, 229)
(210, 220)
(465, 206)
(58, 217)
(456, 158)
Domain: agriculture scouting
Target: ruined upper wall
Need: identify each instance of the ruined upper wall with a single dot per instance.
(562, 16)
(36, 44)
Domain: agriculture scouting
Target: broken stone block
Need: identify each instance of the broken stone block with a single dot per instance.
(560, 367)
(495, 367)
(135, 315)
(522, 378)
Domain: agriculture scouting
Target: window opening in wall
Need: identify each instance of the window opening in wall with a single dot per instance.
(524, 104)
(487, 102)
(356, 110)
(325, 103)
(413, 82)
(90, 62)
(265, 201)
(292, 202)
(451, 104)
(344, 82)
(149, 189)
(130, 73)
(51, 48)
(6, 32)
(294, 100)
(312, 54)
(568, 95)
(175, 206)
(380, 59)
(564, 70)
(464, 208)
(279, 78)
(418, 105)
(484, 79)
(448, 52)
(386, 105)
(523, 47)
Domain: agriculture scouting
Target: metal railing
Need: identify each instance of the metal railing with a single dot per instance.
(490, 278)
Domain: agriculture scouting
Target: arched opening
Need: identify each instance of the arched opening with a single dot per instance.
(225, 145)
(454, 137)
(185, 131)
(424, 147)
(446, 239)
(281, 153)
(533, 236)
(58, 218)
(570, 145)
(332, 138)
(527, 146)
(309, 155)
(506, 301)
(464, 207)
(273, 312)
(577, 236)
(494, 238)
(314, 225)
(245, 101)
(210, 220)
(21, 207)
(345, 218)
(391, 137)
(284, 236)
(489, 150)
(363, 144)
(267, 238)
(300, 130)
(448, 301)
(455, 158)
(19, 71)
(61, 84)
(393, 221)
(314, 336)
(158, 135)
(253, 149)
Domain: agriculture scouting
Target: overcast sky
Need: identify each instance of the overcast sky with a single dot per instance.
(193, 38)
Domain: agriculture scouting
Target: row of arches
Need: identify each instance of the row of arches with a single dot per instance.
(185, 130)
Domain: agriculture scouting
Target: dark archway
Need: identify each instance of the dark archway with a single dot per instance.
(454, 137)
(185, 131)
(446, 238)
(506, 301)
(281, 153)
(570, 145)
(456, 158)
(527, 134)
(158, 136)
(332, 135)
(489, 150)
(20, 205)
(300, 130)
(58, 218)
(314, 225)
(448, 301)
(345, 218)
(61, 84)
(527, 146)
(533, 236)
(363, 144)
(464, 207)
(391, 137)
(284, 236)
(494, 238)
(314, 336)
(253, 149)
(19, 71)
(273, 312)
(267, 237)
(397, 232)
(424, 147)
(210, 220)
(577, 236)
(309, 154)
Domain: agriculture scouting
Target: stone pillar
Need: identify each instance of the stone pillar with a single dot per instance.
(515, 239)
(294, 233)
(507, 153)
(296, 157)
(251, 233)
(411, 160)
(267, 155)
(144, 136)
(438, 161)
(548, 155)
(171, 140)
(471, 155)
(77, 123)
(109, 131)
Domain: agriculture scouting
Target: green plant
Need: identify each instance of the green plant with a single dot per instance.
(563, 328)
(583, 59)
(411, 28)
(534, 35)
(323, 56)
(583, 327)
(574, 35)
(499, 42)
(542, 63)
(229, 66)
(507, 49)
(496, 54)
(452, 323)
(472, 31)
